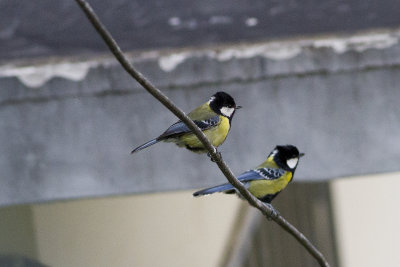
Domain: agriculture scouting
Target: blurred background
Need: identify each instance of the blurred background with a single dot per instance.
(321, 75)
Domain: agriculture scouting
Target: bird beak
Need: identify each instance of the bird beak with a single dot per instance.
(238, 107)
(301, 154)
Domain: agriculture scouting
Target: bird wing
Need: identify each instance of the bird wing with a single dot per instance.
(245, 178)
(260, 174)
(181, 128)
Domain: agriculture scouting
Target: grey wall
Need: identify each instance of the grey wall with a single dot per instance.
(68, 125)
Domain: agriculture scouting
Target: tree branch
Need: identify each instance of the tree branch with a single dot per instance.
(267, 211)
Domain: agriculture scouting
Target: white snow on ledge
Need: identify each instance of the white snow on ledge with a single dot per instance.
(284, 50)
(358, 43)
(35, 76)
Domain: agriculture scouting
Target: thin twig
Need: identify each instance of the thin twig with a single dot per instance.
(113, 46)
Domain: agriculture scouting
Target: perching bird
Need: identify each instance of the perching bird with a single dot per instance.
(267, 180)
(213, 118)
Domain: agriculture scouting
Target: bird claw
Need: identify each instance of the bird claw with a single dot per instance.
(211, 158)
(274, 213)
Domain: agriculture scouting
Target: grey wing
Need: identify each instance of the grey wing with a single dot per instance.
(261, 174)
(181, 128)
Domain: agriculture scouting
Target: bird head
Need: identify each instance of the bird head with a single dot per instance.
(286, 157)
(223, 104)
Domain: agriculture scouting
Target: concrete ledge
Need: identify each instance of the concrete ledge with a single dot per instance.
(28, 30)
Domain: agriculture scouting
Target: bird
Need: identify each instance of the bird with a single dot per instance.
(268, 179)
(214, 118)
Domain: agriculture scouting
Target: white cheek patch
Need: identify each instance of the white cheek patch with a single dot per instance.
(292, 162)
(211, 99)
(227, 112)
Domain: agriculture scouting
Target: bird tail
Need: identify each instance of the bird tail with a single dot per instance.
(215, 189)
(147, 144)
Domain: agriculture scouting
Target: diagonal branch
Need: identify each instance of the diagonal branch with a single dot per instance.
(266, 210)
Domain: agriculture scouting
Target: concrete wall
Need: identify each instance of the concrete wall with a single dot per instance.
(172, 229)
(68, 126)
(367, 220)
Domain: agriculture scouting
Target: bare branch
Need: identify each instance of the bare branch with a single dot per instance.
(267, 211)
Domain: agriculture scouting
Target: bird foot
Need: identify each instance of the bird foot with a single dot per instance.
(216, 151)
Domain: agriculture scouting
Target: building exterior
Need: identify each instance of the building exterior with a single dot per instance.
(320, 75)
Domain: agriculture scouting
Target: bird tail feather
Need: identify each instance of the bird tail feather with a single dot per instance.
(147, 144)
(215, 189)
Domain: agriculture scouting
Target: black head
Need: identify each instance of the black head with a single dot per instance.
(223, 104)
(286, 157)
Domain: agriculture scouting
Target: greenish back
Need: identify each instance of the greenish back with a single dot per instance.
(202, 112)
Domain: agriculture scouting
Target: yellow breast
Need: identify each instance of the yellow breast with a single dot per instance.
(216, 135)
(261, 188)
